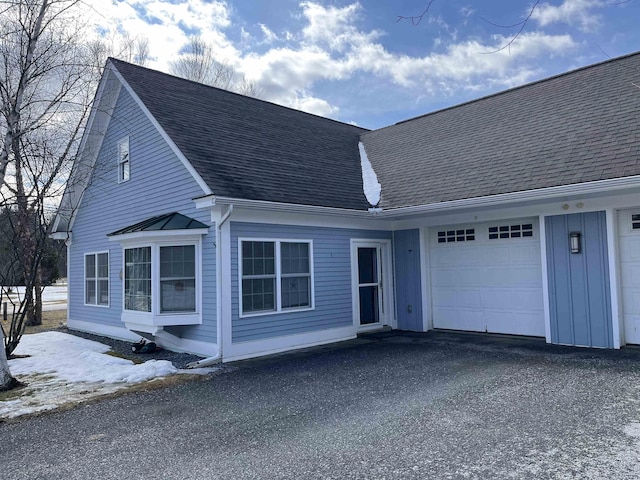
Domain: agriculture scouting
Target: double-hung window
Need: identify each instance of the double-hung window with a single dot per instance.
(276, 275)
(137, 279)
(96, 275)
(178, 278)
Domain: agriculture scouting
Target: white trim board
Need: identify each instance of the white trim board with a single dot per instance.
(258, 348)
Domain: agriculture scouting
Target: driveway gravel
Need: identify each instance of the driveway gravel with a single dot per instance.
(385, 406)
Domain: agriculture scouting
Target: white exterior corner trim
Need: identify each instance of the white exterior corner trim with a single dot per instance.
(614, 278)
(258, 348)
(196, 176)
(425, 291)
(545, 278)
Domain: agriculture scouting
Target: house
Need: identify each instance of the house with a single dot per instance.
(231, 227)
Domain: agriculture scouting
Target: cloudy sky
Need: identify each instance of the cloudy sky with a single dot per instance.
(355, 62)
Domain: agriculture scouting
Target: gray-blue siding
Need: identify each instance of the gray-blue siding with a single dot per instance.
(159, 184)
(406, 248)
(579, 298)
(332, 277)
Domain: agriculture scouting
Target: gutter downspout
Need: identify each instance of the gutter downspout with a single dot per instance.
(205, 362)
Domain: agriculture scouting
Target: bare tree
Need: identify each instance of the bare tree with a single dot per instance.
(121, 45)
(198, 63)
(519, 26)
(46, 88)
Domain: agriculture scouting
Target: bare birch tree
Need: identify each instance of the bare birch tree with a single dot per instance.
(198, 63)
(46, 88)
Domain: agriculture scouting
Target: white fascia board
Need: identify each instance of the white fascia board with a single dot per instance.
(542, 194)
(187, 164)
(190, 234)
(211, 201)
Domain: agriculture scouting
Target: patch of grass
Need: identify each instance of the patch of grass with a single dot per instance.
(135, 360)
(14, 393)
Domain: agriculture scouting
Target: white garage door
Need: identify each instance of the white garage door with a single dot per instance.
(487, 277)
(629, 245)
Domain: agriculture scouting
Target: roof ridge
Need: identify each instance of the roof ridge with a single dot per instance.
(509, 90)
(249, 98)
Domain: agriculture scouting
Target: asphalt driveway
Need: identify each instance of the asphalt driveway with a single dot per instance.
(388, 406)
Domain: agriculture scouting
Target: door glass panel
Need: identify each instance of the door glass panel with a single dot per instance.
(367, 265)
(369, 305)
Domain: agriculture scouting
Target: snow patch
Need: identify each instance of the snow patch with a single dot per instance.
(59, 368)
(372, 188)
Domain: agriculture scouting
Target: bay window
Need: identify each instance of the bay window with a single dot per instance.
(162, 282)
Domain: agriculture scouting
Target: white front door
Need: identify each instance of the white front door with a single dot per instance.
(369, 269)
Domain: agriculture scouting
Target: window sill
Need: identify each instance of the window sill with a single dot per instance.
(275, 312)
(96, 305)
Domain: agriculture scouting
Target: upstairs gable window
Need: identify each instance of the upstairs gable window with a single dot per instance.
(124, 163)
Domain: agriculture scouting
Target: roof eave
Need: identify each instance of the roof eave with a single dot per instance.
(526, 196)
(209, 201)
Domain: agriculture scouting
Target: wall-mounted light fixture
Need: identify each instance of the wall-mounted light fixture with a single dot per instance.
(574, 242)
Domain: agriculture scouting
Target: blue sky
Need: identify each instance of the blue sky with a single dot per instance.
(355, 62)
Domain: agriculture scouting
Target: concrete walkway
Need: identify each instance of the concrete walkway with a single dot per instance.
(391, 406)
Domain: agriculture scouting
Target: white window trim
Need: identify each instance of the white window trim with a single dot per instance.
(279, 309)
(123, 141)
(629, 226)
(155, 316)
(84, 286)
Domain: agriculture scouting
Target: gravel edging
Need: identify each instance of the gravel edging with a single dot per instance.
(123, 348)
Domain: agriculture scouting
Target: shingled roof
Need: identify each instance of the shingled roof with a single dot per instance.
(581, 126)
(251, 149)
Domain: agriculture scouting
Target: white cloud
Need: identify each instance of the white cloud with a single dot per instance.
(167, 25)
(571, 12)
(328, 44)
(269, 36)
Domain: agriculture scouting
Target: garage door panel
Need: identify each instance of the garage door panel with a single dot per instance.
(457, 277)
(629, 255)
(525, 254)
(632, 328)
(514, 323)
(512, 301)
(631, 275)
(526, 276)
(630, 249)
(494, 255)
(631, 301)
(488, 284)
(459, 319)
(457, 298)
(454, 255)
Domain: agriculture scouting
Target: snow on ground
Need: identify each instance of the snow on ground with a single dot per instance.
(59, 369)
(54, 297)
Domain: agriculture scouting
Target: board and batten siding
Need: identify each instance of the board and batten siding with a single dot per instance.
(332, 281)
(406, 248)
(159, 184)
